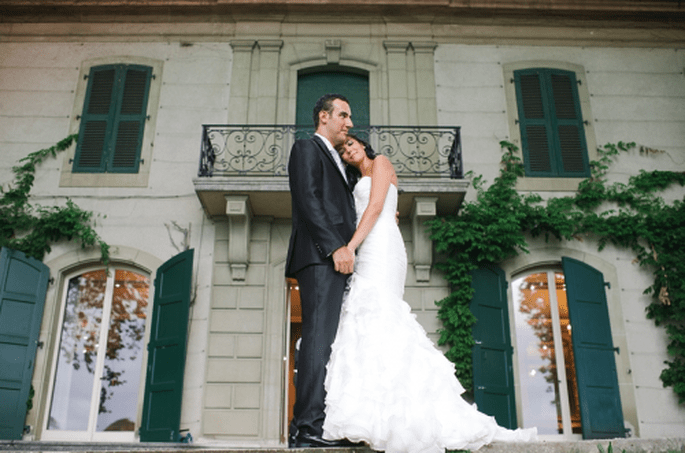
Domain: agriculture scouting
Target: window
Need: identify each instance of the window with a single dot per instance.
(114, 114)
(551, 124)
(113, 119)
(99, 360)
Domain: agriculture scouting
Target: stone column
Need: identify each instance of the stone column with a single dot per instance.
(426, 106)
(240, 81)
(267, 80)
(398, 96)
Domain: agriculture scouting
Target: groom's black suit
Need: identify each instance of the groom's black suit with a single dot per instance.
(324, 220)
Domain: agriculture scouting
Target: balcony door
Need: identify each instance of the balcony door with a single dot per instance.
(311, 85)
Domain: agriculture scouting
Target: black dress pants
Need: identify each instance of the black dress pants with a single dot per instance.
(321, 293)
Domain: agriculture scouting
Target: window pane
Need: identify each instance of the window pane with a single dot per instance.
(536, 357)
(78, 347)
(123, 361)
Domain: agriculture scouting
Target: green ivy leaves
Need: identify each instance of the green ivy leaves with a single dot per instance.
(494, 227)
(31, 229)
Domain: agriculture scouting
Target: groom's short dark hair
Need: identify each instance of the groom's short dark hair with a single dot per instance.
(325, 103)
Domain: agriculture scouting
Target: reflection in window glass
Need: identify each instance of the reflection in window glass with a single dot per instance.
(542, 329)
(122, 303)
(78, 352)
(123, 359)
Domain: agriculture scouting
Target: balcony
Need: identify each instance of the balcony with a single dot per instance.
(252, 160)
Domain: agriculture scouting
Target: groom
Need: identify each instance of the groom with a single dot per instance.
(323, 223)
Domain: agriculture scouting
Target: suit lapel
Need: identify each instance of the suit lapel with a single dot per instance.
(324, 150)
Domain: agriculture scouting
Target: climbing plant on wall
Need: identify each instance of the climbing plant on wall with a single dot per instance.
(633, 215)
(33, 228)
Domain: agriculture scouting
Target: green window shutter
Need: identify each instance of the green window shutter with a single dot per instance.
(598, 392)
(552, 134)
(23, 284)
(113, 119)
(493, 374)
(167, 351)
(96, 120)
(311, 86)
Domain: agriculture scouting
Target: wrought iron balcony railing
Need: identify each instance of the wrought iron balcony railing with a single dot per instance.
(263, 150)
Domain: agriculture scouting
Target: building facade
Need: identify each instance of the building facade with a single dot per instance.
(185, 113)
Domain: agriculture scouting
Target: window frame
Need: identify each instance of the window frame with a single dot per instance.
(548, 183)
(77, 178)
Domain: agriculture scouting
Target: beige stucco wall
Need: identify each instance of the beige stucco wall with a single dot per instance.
(234, 373)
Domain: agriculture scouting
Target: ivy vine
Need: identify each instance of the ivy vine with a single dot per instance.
(494, 227)
(33, 228)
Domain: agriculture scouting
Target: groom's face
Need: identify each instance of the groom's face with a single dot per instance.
(335, 124)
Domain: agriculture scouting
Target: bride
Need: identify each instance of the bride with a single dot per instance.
(386, 383)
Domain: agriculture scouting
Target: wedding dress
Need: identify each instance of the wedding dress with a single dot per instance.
(386, 383)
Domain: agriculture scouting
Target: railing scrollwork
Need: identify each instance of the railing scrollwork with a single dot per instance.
(262, 150)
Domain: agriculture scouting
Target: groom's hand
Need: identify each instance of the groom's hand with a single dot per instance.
(343, 260)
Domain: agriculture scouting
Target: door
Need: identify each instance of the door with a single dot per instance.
(546, 363)
(167, 350)
(98, 360)
(23, 283)
(492, 368)
(600, 399)
(312, 85)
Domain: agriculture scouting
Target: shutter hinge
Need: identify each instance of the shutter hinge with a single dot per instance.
(39, 344)
(78, 117)
(71, 161)
(85, 77)
(580, 82)
(511, 80)
(586, 122)
(142, 161)
(617, 350)
(153, 76)
(607, 284)
(147, 117)
(516, 120)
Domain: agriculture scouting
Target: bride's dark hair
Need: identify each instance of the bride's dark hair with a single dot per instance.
(353, 174)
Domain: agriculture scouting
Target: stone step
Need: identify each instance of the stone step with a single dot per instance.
(632, 445)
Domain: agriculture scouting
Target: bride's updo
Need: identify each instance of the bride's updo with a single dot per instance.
(353, 174)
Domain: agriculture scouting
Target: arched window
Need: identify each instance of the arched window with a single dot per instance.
(98, 364)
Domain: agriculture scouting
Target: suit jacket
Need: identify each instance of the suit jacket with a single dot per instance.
(324, 218)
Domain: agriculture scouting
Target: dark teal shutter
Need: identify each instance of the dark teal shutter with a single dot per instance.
(598, 392)
(113, 119)
(167, 351)
(493, 375)
(552, 134)
(312, 85)
(23, 283)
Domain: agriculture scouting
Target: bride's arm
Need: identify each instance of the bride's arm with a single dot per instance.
(382, 175)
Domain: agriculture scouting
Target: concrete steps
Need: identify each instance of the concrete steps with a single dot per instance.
(671, 445)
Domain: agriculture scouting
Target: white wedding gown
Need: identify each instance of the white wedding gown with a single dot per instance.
(387, 384)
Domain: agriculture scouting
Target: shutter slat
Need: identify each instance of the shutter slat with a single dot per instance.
(135, 88)
(571, 149)
(531, 95)
(101, 86)
(92, 145)
(564, 100)
(125, 150)
(538, 148)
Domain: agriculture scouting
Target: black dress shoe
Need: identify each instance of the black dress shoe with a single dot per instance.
(306, 441)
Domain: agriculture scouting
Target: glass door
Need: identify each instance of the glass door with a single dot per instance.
(97, 376)
(549, 388)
